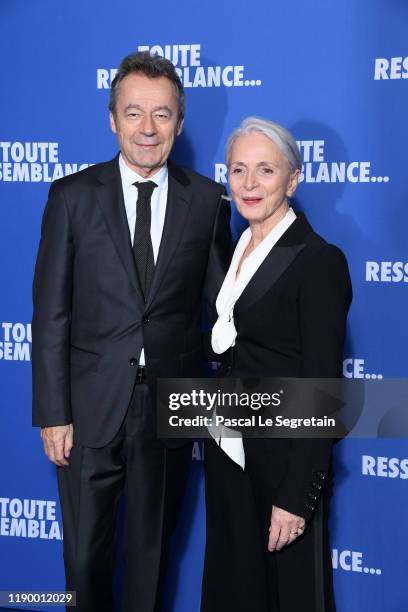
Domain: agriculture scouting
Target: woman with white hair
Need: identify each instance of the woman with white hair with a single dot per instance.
(281, 313)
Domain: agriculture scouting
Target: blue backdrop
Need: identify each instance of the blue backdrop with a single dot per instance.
(334, 73)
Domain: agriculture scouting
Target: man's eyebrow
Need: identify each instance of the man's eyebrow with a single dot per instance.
(163, 107)
(136, 106)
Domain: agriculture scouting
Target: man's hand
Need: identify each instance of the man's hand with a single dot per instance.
(285, 528)
(58, 442)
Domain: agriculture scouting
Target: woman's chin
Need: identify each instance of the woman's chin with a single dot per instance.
(251, 213)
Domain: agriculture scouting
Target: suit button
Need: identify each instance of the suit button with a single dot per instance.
(145, 320)
(132, 361)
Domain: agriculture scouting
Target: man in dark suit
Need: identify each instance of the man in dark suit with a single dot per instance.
(127, 248)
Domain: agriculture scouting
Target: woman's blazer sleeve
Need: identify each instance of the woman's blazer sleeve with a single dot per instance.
(324, 301)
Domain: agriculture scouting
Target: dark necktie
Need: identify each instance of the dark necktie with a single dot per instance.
(142, 242)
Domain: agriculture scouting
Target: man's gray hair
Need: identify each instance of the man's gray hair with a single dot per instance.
(275, 132)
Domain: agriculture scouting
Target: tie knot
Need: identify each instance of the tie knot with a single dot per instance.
(145, 188)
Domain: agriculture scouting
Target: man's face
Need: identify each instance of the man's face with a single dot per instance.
(146, 121)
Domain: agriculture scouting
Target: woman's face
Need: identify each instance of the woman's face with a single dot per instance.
(260, 178)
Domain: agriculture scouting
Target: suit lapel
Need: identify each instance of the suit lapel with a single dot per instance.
(177, 208)
(276, 263)
(111, 202)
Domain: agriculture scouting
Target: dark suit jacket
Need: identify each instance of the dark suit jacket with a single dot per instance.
(90, 320)
(291, 322)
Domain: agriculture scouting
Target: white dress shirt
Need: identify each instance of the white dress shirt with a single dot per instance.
(158, 206)
(224, 333)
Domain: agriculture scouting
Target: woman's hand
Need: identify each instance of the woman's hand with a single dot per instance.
(285, 528)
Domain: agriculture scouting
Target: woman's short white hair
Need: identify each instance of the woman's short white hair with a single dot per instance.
(277, 133)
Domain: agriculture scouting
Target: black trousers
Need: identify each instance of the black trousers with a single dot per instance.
(240, 574)
(153, 480)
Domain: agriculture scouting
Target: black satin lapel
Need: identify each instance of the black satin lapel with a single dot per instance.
(176, 214)
(111, 202)
(272, 268)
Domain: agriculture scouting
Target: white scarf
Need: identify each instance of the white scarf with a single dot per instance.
(224, 332)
